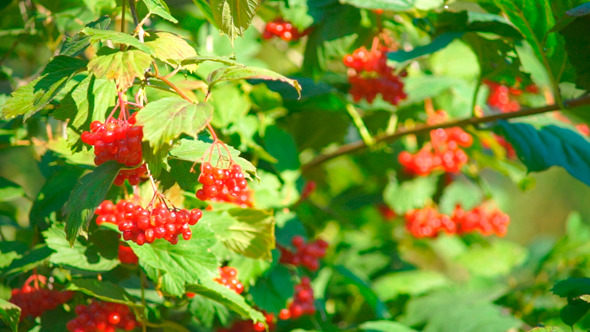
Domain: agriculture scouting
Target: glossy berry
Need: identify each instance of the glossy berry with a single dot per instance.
(505, 98)
(303, 300)
(224, 185)
(115, 139)
(282, 29)
(133, 176)
(370, 76)
(306, 254)
(126, 255)
(34, 301)
(102, 316)
(228, 276)
(481, 220)
(145, 226)
(428, 223)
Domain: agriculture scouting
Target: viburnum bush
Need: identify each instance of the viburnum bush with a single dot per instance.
(307, 165)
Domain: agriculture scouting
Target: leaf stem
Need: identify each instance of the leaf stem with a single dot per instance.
(360, 124)
(359, 145)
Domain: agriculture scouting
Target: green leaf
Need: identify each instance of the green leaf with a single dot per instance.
(197, 60)
(29, 261)
(233, 17)
(169, 46)
(230, 104)
(370, 296)
(78, 43)
(242, 72)
(438, 43)
(576, 39)
(281, 145)
(573, 312)
(475, 318)
(385, 326)
(10, 314)
(159, 8)
(465, 193)
(572, 287)
(205, 8)
(183, 263)
(86, 196)
(498, 259)
(205, 310)
(34, 96)
(550, 146)
(272, 292)
(219, 293)
(193, 150)
(121, 66)
(413, 282)
(248, 232)
(74, 253)
(411, 194)
(547, 329)
(10, 190)
(165, 119)
(97, 35)
(103, 290)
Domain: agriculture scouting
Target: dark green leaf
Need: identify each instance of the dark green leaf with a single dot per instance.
(103, 290)
(550, 146)
(233, 17)
(437, 44)
(78, 43)
(10, 314)
(159, 8)
(121, 66)
(216, 292)
(272, 292)
(370, 296)
(88, 193)
(576, 45)
(281, 145)
(30, 260)
(242, 72)
(206, 310)
(34, 96)
(573, 312)
(165, 119)
(572, 287)
(74, 253)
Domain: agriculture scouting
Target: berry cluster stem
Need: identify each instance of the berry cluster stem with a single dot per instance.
(420, 129)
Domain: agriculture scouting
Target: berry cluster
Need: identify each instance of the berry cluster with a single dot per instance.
(504, 98)
(249, 326)
(34, 301)
(428, 222)
(228, 276)
(303, 301)
(370, 75)
(482, 220)
(225, 185)
(126, 255)
(145, 226)
(307, 254)
(116, 139)
(132, 175)
(282, 29)
(102, 316)
(444, 151)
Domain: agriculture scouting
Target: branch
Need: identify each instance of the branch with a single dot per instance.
(359, 145)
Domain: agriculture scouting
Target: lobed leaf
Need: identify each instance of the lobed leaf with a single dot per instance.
(97, 35)
(30, 98)
(159, 8)
(78, 43)
(233, 17)
(169, 46)
(88, 193)
(121, 66)
(411, 194)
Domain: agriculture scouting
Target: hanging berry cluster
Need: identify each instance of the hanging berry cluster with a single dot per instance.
(102, 316)
(118, 139)
(145, 226)
(505, 98)
(126, 255)
(228, 276)
(224, 185)
(303, 300)
(429, 223)
(443, 153)
(369, 75)
(282, 29)
(34, 301)
(306, 254)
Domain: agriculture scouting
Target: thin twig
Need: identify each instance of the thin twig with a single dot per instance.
(359, 145)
